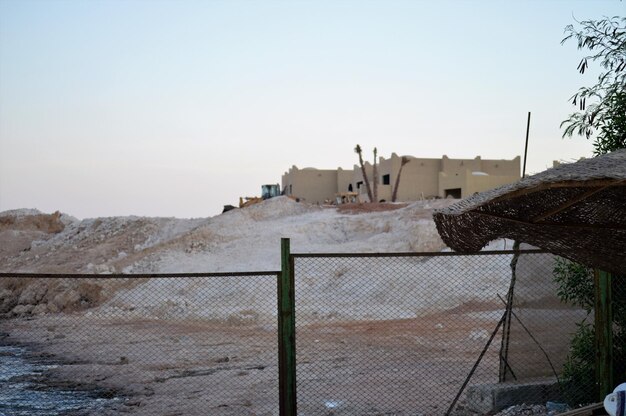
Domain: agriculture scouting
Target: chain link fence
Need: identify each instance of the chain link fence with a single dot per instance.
(376, 334)
(401, 335)
(167, 345)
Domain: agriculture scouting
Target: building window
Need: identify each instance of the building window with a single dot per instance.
(358, 184)
(453, 193)
(290, 189)
(386, 179)
(350, 188)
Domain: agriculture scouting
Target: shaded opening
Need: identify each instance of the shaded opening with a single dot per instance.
(452, 193)
(386, 179)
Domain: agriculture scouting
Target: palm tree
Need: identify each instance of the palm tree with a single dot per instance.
(358, 150)
(403, 162)
(375, 175)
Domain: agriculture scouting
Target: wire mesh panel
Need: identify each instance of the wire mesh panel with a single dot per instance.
(553, 323)
(540, 336)
(201, 345)
(393, 334)
(382, 335)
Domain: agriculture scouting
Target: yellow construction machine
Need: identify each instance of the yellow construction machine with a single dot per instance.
(267, 192)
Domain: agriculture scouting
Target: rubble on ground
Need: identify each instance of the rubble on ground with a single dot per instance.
(238, 240)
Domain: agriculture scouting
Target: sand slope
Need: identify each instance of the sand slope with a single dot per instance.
(239, 240)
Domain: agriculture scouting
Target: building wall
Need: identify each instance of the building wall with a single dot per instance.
(418, 180)
(477, 175)
(311, 185)
(469, 183)
(484, 183)
(502, 167)
(344, 180)
(421, 178)
(358, 184)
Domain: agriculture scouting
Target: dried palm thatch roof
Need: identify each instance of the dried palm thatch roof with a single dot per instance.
(575, 210)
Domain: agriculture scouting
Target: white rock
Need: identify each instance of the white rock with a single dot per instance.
(21, 310)
(33, 293)
(40, 309)
(479, 334)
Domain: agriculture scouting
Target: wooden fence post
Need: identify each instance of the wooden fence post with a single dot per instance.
(603, 323)
(286, 333)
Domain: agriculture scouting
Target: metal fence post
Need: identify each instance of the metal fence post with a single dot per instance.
(603, 320)
(286, 333)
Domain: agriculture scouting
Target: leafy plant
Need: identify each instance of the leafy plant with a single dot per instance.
(576, 287)
(601, 110)
(612, 134)
(605, 43)
(575, 283)
(579, 375)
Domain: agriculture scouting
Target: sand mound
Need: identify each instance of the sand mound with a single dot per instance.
(19, 221)
(239, 240)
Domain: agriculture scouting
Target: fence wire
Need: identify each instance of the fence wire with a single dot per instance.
(203, 345)
(380, 335)
(376, 334)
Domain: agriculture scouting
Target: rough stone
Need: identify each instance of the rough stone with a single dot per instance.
(524, 410)
(67, 299)
(8, 300)
(104, 269)
(40, 309)
(488, 398)
(21, 310)
(33, 294)
(5, 293)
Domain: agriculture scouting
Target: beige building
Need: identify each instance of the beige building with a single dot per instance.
(315, 185)
(421, 178)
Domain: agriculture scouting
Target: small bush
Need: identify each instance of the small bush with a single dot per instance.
(576, 287)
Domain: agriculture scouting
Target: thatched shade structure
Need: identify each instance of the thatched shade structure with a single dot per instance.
(575, 210)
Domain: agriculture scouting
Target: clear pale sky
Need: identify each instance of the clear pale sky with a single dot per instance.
(175, 108)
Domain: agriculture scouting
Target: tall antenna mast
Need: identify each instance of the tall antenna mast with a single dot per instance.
(526, 147)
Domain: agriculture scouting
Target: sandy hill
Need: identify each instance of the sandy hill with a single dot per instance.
(236, 241)
(239, 240)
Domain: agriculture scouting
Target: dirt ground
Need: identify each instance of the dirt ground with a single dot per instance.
(360, 208)
(404, 367)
